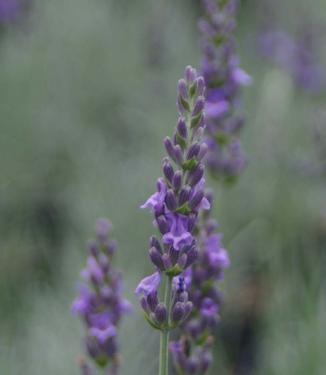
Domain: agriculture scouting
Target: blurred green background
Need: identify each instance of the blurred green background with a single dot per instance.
(87, 95)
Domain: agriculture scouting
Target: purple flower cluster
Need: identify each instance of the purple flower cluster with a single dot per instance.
(297, 56)
(9, 10)
(191, 361)
(192, 353)
(100, 304)
(176, 204)
(157, 313)
(224, 79)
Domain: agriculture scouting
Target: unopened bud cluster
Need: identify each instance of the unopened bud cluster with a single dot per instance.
(156, 312)
(187, 360)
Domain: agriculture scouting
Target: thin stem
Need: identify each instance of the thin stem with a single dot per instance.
(165, 334)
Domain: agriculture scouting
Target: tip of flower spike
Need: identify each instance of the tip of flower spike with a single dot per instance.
(102, 228)
(190, 74)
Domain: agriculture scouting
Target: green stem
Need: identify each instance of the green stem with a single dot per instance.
(165, 333)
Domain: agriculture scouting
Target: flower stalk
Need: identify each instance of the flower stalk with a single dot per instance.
(165, 333)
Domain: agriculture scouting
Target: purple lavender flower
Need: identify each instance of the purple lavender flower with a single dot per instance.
(191, 361)
(9, 10)
(192, 352)
(224, 79)
(176, 204)
(180, 192)
(297, 56)
(100, 304)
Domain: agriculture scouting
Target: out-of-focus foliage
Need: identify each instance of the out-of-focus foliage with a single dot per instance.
(87, 94)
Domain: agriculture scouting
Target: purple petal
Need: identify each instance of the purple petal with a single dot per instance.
(103, 334)
(149, 284)
(241, 77)
(158, 197)
(216, 110)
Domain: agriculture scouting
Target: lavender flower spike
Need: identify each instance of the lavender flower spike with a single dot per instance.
(9, 10)
(298, 56)
(192, 352)
(224, 79)
(100, 304)
(176, 204)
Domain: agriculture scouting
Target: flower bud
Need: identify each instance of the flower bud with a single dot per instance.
(168, 170)
(93, 248)
(206, 361)
(188, 309)
(194, 328)
(190, 74)
(178, 154)
(170, 200)
(154, 242)
(193, 151)
(110, 247)
(191, 257)
(104, 263)
(196, 199)
(144, 304)
(200, 86)
(196, 175)
(199, 106)
(182, 128)
(102, 228)
(156, 258)
(166, 261)
(162, 224)
(170, 148)
(159, 209)
(192, 366)
(192, 221)
(203, 151)
(160, 313)
(152, 300)
(177, 180)
(183, 297)
(182, 88)
(184, 195)
(178, 312)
